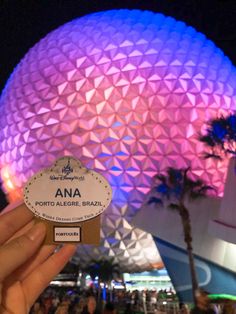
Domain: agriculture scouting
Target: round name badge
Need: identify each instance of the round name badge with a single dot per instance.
(67, 192)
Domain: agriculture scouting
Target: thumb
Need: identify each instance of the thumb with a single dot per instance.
(19, 250)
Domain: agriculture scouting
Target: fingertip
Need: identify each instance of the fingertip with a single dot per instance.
(37, 231)
(70, 248)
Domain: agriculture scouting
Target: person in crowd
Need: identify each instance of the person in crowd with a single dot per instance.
(38, 307)
(183, 308)
(229, 307)
(128, 309)
(62, 309)
(79, 306)
(203, 303)
(55, 302)
(48, 305)
(109, 309)
(27, 266)
(91, 307)
(153, 300)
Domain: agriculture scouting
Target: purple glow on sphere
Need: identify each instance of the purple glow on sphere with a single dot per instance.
(127, 93)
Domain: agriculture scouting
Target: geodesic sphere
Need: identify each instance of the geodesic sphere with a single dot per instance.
(127, 93)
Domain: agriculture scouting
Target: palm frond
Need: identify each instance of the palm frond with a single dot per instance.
(207, 140)
(201, 191)
(230, 151)
(160, 177)
(207, 155)
(162, 188)
(155, 200)
(220, 134)
(174, 175)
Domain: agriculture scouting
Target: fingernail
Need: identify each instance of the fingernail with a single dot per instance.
(37, 231)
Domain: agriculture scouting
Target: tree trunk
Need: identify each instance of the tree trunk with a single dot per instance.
(99, 291)
(110, 289)
(188, 240)
(192, 272)
(83, 280)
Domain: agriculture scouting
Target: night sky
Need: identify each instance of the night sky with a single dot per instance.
(24, 22)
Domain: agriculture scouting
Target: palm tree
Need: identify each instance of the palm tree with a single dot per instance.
(109, 270)
(106, 270)
(220, 137)
(176, 188)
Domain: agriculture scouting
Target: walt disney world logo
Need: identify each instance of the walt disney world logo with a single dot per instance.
(67, 169)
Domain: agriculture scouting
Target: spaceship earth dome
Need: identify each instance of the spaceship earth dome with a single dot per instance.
(126, 92)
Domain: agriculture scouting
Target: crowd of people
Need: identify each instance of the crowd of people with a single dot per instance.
(59, 301)
(74, 301)
(27, 267)
(71, 305)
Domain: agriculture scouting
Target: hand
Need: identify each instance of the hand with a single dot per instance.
(26, 266)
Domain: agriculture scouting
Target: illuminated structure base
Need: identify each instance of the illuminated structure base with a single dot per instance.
(211, 276)
(214, 258)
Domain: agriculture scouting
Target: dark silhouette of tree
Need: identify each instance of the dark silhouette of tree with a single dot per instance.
(220, 137)
(175, 188)
(105, 269)
(93, 270)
